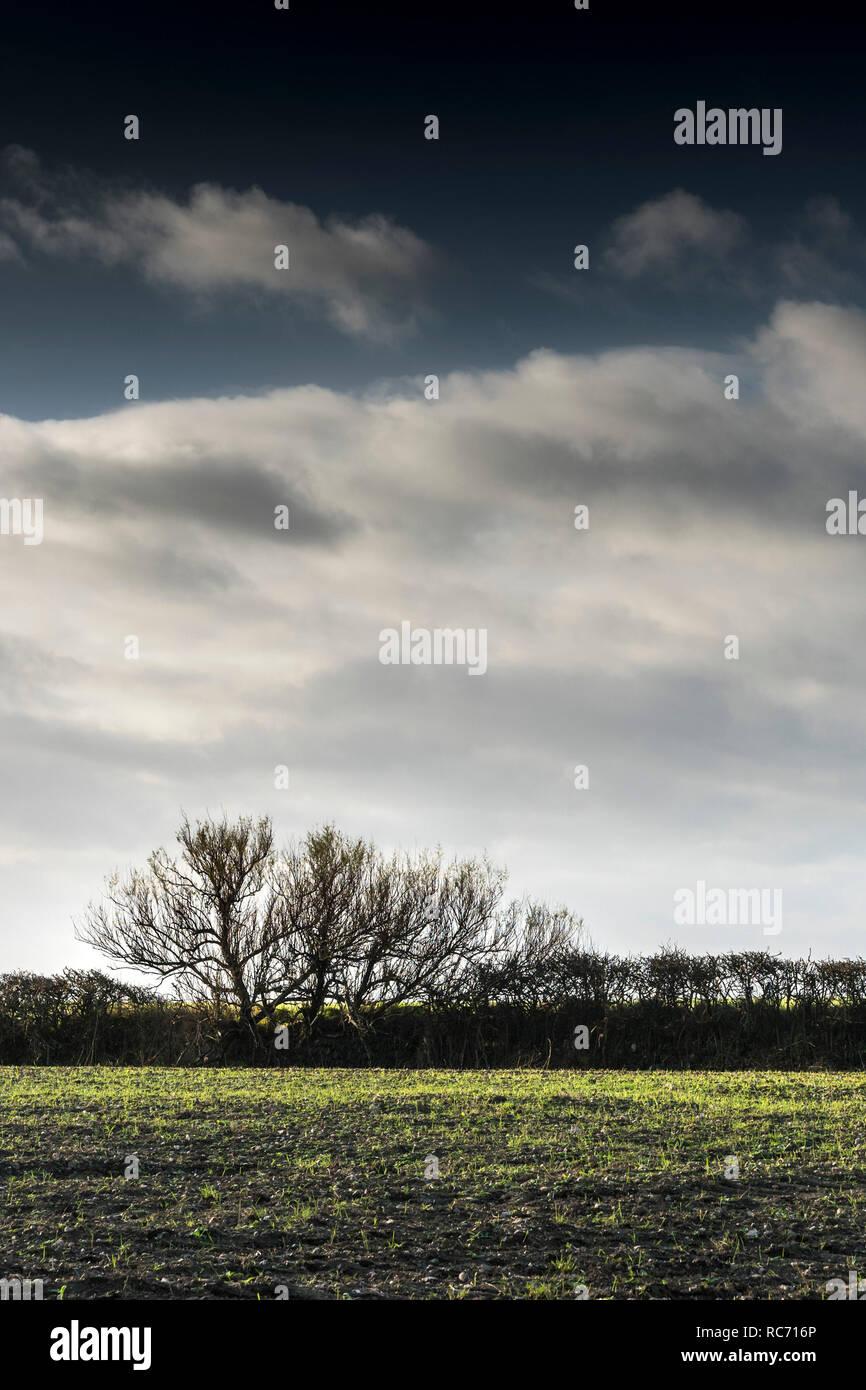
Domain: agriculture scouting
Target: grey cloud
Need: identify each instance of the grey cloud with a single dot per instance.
(667, 234)
(678, 240)
(364, 276)
(232, 494)
(825, 249)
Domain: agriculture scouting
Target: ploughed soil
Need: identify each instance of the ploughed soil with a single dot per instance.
(284, 1183)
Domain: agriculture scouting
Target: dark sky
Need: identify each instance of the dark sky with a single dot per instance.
(554, 122)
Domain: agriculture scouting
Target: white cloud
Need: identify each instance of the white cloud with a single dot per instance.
(813, 356)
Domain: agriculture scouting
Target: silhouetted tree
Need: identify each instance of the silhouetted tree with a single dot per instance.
(203, 920)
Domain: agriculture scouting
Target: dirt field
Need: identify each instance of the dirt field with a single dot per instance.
(321, 1184)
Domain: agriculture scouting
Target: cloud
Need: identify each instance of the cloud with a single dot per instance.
(678, 241)
(605, 647)
(364, 276)
(812, 355)
(8, 249)
(670, 235)
(825, 249)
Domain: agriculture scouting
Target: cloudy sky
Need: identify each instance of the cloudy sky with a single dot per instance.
(558, 388)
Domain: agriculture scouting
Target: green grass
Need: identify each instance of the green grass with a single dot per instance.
(315, 1181)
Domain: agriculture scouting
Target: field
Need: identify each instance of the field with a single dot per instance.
(320, 1184)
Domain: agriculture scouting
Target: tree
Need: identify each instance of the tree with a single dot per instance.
(329, 921)
(423, 928)
(204, 920)
(319, 915)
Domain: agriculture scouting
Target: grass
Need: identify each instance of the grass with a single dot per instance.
(313, 1183)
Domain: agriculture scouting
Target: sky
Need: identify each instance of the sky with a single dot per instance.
(165, 647)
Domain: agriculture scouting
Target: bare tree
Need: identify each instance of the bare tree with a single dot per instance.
(534, 967)
(329, 921)
(204, 920)
(318, 917)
